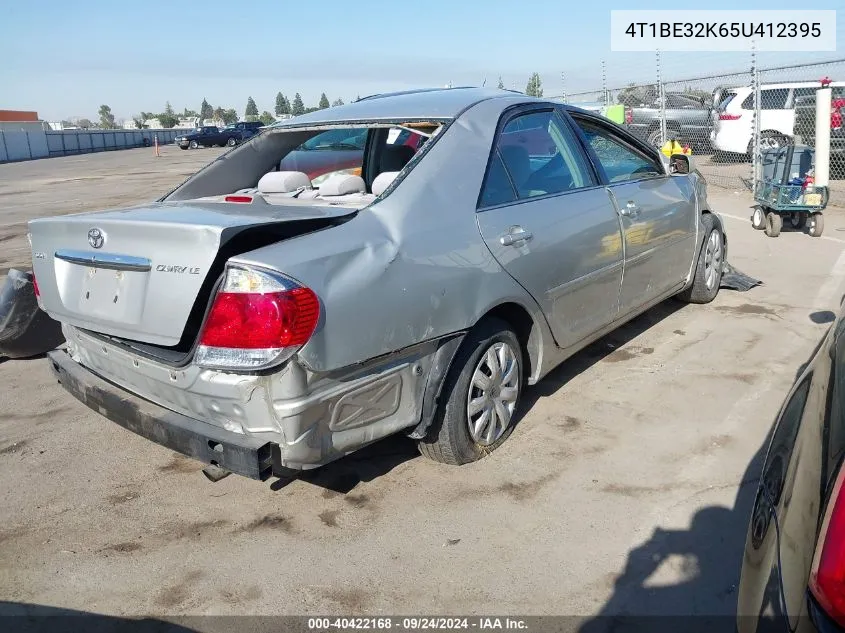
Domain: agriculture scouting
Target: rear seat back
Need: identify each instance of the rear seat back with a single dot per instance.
(342, 185)
(283, 182)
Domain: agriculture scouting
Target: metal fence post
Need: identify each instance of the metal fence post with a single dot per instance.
(661, 96)
(756, 158)
(603, 83)
(28, 144)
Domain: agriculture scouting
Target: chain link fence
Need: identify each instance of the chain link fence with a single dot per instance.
(730, 120)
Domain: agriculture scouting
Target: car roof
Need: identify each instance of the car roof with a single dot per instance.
(790, 84)
(435, 104)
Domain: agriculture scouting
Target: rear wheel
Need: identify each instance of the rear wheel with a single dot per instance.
(774, 223)
(654, 138)
(481, 394)
(816, 225)
(708, 269)
(232, 142)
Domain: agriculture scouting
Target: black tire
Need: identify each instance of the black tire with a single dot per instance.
(183, 147)
(798, 220)
(774, 223)
(758, 218)
(448, 440)
(193, 145)
(816, 225)
(700, 291)
(232, 142)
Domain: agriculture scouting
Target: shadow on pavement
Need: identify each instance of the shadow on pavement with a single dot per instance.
(711, 553)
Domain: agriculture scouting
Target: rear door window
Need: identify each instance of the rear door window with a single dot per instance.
(540, 155)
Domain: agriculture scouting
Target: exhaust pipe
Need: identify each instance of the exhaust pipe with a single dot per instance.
(214, 473)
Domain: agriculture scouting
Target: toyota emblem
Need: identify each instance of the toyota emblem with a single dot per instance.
(96, 238)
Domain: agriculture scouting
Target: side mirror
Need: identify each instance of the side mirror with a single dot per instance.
(679, 164)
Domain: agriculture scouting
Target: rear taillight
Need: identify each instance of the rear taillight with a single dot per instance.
(724, 116)
(258, 319)
(242, 199)
(629, 115)
(827, 575)
(35, 287)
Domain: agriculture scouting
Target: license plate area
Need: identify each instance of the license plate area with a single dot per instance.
(104, 294)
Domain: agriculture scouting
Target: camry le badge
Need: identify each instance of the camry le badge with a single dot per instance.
(96, 238)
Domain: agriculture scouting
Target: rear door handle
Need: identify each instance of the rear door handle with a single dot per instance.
(515, 235)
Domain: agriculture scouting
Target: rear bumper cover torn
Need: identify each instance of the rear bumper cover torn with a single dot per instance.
(244, 455)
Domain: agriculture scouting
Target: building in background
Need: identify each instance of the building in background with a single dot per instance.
(20, 121)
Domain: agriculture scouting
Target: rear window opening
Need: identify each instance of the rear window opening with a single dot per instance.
(349, 166)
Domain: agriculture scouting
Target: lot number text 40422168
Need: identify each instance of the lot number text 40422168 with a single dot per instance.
(417, 624)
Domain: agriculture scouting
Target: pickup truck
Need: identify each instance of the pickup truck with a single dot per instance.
(210, 135)
(688, 120)
(805, 128)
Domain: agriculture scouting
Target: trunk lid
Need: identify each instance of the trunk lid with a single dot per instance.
(146, 273)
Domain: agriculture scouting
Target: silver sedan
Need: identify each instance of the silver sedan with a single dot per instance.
(405, 263)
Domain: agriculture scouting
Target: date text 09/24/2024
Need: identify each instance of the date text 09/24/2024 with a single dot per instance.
(415, 623)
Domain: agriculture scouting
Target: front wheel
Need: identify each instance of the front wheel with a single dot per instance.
(194, 145)
(758, 218)
(708, 269)
(481, 392)
(798, 220)
(231, 142)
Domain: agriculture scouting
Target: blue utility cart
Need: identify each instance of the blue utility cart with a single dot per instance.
(783, 194)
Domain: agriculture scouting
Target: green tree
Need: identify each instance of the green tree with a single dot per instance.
(251, 108)
(218, 114)
(324, 102)
(140, 121)
(84, 124)
(168, 117)
(266, 118)
(285, 105)
(189, 114)
(280, 103)
(337, 102)
(106, 118)
(229, 116)
(297, 107)
(535, 86)
(501, 85)
(206, 111)
(310, 109)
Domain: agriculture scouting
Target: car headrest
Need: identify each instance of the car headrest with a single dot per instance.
(342, 184)
(283, 182)
(383, 181)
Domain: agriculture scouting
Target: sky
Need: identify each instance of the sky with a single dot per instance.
(66, 62)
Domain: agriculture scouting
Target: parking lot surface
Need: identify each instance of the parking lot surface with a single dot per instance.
(625, 487)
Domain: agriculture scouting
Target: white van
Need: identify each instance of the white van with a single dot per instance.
(733, 117)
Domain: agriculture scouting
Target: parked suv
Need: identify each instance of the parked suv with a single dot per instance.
(733, 117)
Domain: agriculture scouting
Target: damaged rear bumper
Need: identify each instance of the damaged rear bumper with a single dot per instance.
(245, 455)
